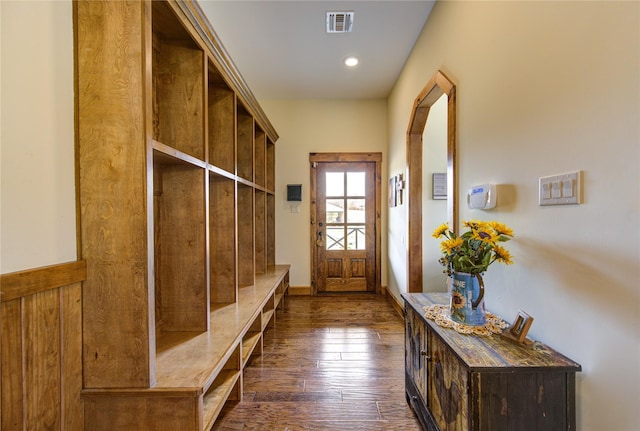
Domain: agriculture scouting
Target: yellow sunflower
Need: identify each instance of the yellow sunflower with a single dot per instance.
(485, 236)
(457, 300)
(447, 246)
(440, 231)
(502, 255)
(501, 228)
(471, 224)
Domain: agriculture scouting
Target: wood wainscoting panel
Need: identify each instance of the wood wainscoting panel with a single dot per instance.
(11, 353)
(41, 348)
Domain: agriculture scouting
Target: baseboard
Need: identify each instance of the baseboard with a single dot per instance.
(394, 302)
(300, 290)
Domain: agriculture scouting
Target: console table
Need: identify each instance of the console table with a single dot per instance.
(457, 382)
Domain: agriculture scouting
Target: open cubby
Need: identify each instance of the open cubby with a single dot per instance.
(222, 239)
(251, 340)
(178, 85)
(244, 154)
(246, 266)
(260, 236)
(179, 245)
(268, 312)
(271, 230)
(176, 180)
(222, 109)
(226, 386)
(271, 166)
(260, 158)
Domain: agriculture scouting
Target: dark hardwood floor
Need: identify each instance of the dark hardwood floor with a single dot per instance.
(329, 363)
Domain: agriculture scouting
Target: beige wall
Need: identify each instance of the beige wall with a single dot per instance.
(544, 88)
(307, 126)
(37, 195)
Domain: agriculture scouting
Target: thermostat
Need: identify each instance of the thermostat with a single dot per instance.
(482, 197)
(294, 192)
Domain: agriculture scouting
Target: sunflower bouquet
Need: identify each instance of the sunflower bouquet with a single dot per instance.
(475, 249)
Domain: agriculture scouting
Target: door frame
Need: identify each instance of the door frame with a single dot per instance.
(438, 85)
(315, 158)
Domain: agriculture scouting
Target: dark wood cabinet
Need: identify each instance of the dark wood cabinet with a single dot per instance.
(457, 382)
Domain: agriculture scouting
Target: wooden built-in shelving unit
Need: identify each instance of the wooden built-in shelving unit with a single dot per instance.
(176, 179)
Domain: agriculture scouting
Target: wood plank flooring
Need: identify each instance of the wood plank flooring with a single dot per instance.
(329, 363)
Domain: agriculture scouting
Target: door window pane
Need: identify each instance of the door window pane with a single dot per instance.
(335, 238)
(355, 210)
(355, 238)
(355, 184)
(334, 209)
(335, 184)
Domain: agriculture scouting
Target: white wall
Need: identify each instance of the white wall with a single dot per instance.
(308, 126)
(544, 88)
(37, 194)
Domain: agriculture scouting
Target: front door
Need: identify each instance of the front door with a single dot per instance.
(345, 226)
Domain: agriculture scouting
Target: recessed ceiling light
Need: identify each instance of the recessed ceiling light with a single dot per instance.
(351, 61)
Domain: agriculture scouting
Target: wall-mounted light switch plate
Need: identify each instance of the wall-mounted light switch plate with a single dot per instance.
(562, 189)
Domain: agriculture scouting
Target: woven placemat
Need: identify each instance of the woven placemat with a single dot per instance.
(441, 315)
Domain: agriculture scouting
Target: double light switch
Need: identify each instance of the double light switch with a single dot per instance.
(563, 189)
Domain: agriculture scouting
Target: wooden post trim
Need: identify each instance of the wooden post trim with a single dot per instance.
(28, 282)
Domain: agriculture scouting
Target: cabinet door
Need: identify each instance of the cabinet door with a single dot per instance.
(527, 401)
(416, 353)
(448, 394)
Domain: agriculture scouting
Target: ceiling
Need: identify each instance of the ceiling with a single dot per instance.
(283, 50)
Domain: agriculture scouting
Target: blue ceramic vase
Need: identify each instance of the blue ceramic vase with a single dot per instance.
(467, 299)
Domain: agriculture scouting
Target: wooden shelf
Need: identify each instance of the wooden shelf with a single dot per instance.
(266, 318)
(166, 155)
(278, 299)
(271, 230)
(271, 166)
(260, 235)
(178, 71)
(176, 177)
(222, 104)
(189, 359)
(246, 262)
(221, 172)
(179, 248)
(222, 239)
(245, 135)
(217, 396)
(260, 157)
(249, 344)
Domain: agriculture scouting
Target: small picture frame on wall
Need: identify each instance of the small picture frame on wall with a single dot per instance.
(439, 186)
(392, 192)
(399, 189)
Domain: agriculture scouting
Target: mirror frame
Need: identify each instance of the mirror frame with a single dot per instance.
(438, 85)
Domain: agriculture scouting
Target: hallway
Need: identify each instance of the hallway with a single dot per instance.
(330, 363)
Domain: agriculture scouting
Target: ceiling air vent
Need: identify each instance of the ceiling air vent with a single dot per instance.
(339, 22)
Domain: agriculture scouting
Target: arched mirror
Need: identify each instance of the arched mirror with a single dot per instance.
(439, 93)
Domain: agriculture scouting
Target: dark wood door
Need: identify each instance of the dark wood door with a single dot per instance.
(346, 226)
